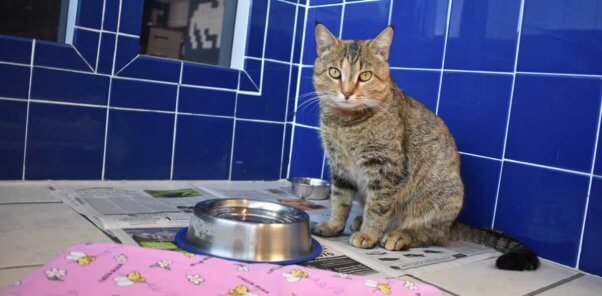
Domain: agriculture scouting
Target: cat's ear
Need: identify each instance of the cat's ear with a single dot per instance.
(324, 39)
(382, 43)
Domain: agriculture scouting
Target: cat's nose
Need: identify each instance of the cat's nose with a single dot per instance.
(347, 94)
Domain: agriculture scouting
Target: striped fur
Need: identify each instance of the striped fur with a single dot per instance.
(394, 154)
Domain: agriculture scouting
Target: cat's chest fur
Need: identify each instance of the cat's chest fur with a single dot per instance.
(348, 147)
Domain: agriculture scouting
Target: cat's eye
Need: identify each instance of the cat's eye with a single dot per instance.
(334, 73)
(365, 76)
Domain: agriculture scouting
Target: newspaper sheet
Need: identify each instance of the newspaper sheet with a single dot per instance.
(150, 216)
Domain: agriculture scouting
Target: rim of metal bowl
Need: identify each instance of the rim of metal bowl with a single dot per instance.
(309, 181)
(202, 209)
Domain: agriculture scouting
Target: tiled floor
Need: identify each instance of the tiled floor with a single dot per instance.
(35, 226)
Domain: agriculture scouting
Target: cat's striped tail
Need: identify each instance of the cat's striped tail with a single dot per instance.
(517, 256)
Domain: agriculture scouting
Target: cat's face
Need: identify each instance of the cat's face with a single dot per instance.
(351, 75)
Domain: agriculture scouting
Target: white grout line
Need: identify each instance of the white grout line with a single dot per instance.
(265, 42)
(478, 71)
(560, 74)
(290, 154)
(205, 115)
(102, 23)
(234, 130)
(415, 69)
(175, 122)
(499, 181)
(104, 148)
(63, 103)
(448, 21)
(306, 126)
(145, 80)
(340, 4)
(208, 87)
(126, 65)
(105, 31)
(323, 166)
(589, 188)
(545, 167)
(272, 60)
(141, 110)
(288, 91)
(82, 57)
(14, 64)
(13, 99)
(390, 15)
(342, 21)
(480, 156)
(33, 50)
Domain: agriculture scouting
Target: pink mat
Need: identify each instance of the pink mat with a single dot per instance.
(114, 269)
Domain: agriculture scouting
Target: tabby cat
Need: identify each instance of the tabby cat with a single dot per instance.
(395, 154)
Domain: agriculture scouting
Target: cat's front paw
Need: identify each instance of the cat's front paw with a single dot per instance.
(327, 229)
(363, 240)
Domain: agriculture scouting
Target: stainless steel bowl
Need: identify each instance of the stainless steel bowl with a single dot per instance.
(249, 230)
(310, 188)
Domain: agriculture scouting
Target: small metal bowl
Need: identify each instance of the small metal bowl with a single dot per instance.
(249, 230)
(310, 188)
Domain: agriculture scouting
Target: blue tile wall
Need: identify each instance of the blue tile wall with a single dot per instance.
(143, 117)
(518, 83)
(139, 145)
(64, 142)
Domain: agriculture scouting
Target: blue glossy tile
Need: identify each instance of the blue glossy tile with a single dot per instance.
(420, 85)
(111, 15)
(86, 43)
(280, 31)
(547, 128)
(475, 106)
(256, 29)
(206, 101)
(307, 157)
(591, 259)
(483, 35)
(561, 36)
(480, 177)
(143, 95)
(322, 2)
(271, 105)
(58, 55)
(12, 137)
(56, 85)
(286, 151)
(298, 34)
(247, 83)
(308, 108)
(14, 81)
(64, 142)
(89, 13)
(195, 157)
(147, 67)
(127, 49)
(329, 16)
(292, 93)
(419, 33)
(207, 75)
(131, 16)
(544, 209)
(252, 80)
(139, 145)
(365, 20)
(107, 51)
(257, 150)
(15, 49)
